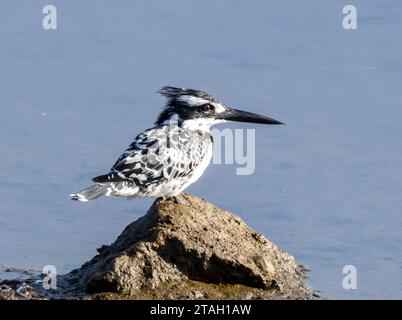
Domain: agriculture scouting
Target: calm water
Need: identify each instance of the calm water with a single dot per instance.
(327, 187)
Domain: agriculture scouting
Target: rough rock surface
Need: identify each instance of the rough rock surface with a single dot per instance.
(190, 250)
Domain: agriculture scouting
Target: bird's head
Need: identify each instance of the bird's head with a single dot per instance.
(198, 110)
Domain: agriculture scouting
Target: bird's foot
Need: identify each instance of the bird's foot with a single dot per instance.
(160, 199)
(174, 199)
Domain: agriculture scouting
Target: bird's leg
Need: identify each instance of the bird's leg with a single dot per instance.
(160, 199)
(176, 200)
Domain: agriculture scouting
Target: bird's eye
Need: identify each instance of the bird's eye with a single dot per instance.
(207, 107)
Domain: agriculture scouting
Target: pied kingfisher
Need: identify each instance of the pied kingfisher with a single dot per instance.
(166, 159)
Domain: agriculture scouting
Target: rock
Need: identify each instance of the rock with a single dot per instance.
(6, 292)
(190, 250)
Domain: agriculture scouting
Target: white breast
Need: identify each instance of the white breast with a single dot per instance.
(198, 171)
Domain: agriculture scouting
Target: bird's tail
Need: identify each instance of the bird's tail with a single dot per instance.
(90, 193)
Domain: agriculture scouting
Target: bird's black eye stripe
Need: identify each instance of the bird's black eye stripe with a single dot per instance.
(207, 107)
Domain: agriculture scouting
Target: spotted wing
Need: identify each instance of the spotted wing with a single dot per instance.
(158, 155)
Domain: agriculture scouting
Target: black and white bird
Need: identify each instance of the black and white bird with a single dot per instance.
(164, 160)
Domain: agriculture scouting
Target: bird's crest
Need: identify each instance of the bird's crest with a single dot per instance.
(174, 93)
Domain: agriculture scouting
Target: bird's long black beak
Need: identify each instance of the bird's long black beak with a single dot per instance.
(244, 116)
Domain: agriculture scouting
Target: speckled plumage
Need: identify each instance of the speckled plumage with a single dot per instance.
(160, 162)
(166, 159)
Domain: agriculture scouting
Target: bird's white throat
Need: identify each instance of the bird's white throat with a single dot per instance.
(201, 124)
